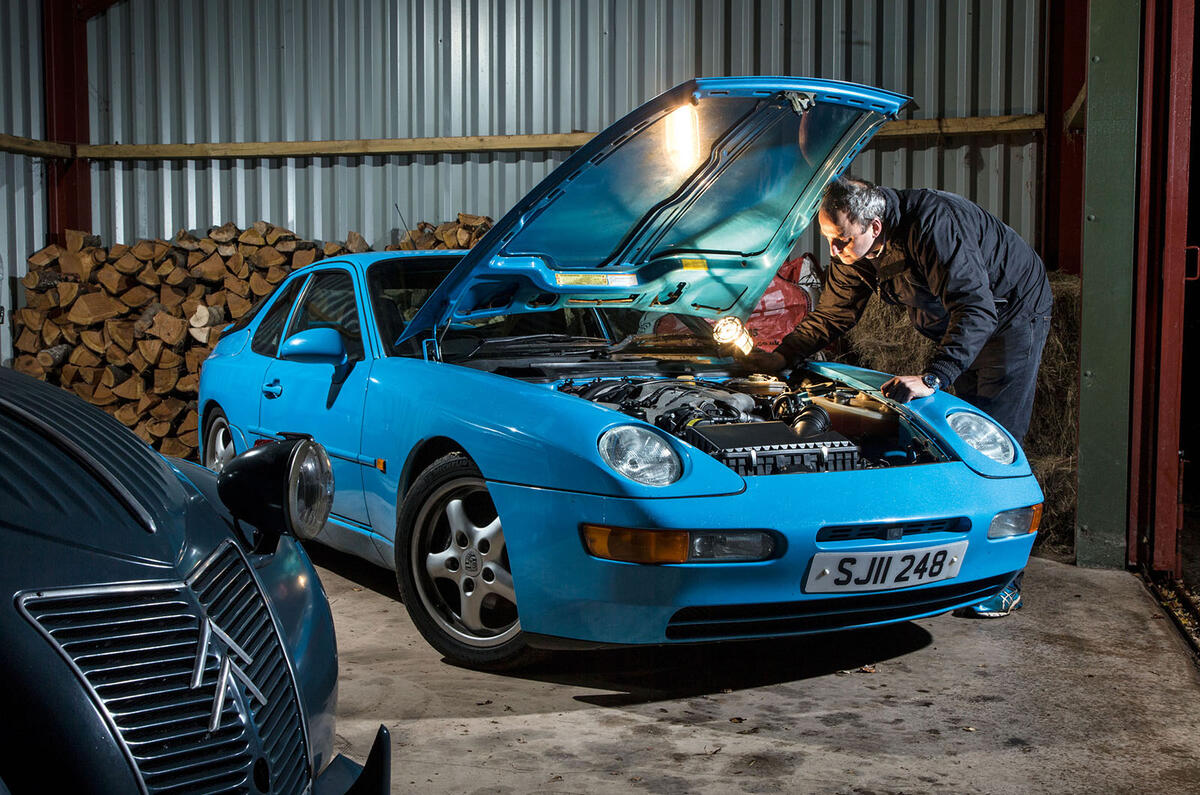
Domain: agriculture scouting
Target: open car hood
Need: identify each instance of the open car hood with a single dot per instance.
(688, 205)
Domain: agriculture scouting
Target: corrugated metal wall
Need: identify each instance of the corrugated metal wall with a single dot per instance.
(23, 213)
(227, 70)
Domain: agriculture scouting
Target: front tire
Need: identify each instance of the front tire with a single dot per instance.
(453, 569)
(218, 440)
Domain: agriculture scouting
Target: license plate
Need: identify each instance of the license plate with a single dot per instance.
(834, 572)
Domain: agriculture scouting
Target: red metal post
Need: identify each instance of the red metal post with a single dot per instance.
(1165, 142)
(68, 183)
(1066, 68)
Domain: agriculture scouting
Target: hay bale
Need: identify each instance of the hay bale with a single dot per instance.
(885, 340)
(1058, 477)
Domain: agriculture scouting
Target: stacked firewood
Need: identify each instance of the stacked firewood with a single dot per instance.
(127, 328)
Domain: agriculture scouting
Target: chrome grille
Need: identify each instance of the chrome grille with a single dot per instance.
(136, 647)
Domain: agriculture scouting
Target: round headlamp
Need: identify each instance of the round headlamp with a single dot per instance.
(281, 487)
(640, 455)
(984, 435)
(309, 490)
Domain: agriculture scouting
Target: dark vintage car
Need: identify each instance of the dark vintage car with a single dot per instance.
(162, 629)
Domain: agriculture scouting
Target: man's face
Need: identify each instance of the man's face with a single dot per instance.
(848, 241)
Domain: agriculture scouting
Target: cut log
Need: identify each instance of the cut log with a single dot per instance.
(102, 396)
(158, 428)
(169, 358)
(237, 286)
(29, 366)
(138, 362)
(120, 332)
(113, 280)
(41, 279)
(95, 340)
(137, 296)
(207, 316)
(175, 276)
(151, 350)
(38, 301)
(216, 299)
(333, 248)
(53, 357)
(142, 433)
(52, 333)
(70, 332)
(267, 257)
(127, 415)
(172, 297)
(285, 246)
(252, 237)
(66, 293)
(165, 380)
(116, 355)
(129, 264)
(172, 447)
(227, 250)
(44, 257)
(150, 250)
(207, 245)
(32, 318)
(80, 356)
(275, 274)
(95, 307)
(211, 270)
(205, 336)
(90, 375)
(194, 358)
(132, 389)
(147, 403)
(189, 306)
(355, 243)
(239, 266)
(189, 438)
(67, 375)
(188, 384)
(259, 286)
(168, 328)
(146, 319)
(223, 234)
(114, 375)
(186, 240)
(149, 276)
(29, 342)
(167, 409)
(190, 422)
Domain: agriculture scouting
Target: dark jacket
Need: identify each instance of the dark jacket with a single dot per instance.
(963, 274)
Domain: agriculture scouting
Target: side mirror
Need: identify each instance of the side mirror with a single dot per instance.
(281, 487)
(321, 345)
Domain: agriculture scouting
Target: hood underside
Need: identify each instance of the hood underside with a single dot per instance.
(687, 205)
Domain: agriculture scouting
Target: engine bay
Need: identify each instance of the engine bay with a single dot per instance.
(761, 425)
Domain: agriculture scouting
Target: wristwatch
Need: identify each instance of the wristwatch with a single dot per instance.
(932, 381)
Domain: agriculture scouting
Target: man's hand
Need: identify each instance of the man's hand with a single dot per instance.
(765, 361)
(904, 388)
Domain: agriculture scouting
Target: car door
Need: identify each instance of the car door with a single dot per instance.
(319, 399)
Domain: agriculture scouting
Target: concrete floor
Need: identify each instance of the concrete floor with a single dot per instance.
(1088, 689)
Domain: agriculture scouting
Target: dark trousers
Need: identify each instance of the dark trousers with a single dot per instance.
(1002, 378)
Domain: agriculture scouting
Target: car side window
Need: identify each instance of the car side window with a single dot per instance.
(330, 302)
(397, 289)
(267, 336)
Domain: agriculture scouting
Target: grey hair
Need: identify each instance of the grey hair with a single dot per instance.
(861, 201)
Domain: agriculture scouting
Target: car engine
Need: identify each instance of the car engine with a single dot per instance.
(759, 425)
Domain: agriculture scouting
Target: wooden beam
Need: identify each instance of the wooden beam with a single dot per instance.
(971, 125)
(352, 148)
(1075, 118)
(31, 146)
(985, 125)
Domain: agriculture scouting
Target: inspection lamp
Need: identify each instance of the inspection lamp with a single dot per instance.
(731, 331)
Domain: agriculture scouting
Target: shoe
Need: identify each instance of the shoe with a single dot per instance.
(998, 606)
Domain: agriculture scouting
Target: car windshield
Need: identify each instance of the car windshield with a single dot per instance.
(578, 331)
(399, 287)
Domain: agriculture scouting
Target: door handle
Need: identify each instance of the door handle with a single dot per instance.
(272, 390)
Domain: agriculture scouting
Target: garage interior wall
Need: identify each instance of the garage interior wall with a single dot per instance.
(291, 70)
(23, 211)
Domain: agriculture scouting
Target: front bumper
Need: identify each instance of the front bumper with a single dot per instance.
(343, 775)
(563, 592)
